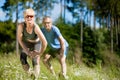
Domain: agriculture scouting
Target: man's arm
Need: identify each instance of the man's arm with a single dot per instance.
(62, 44)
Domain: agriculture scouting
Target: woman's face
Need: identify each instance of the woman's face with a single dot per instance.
(29, 18)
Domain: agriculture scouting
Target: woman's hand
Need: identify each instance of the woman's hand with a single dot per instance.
(33, 54)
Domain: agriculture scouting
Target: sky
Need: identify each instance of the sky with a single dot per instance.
(2, 14)
(55, 13)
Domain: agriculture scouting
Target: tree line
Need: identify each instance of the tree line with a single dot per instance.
(90, 40)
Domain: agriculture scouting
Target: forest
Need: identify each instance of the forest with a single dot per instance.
(91, 45)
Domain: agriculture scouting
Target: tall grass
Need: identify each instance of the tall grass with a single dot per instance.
(11, 69)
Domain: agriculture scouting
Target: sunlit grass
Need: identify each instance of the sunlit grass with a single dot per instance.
(11, 69)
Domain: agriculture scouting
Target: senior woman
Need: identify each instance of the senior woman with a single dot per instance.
(32, 42)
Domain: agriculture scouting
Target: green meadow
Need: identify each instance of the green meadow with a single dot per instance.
(11, 69)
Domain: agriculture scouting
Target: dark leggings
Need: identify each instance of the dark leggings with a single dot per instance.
(23, 59)
(23, 56)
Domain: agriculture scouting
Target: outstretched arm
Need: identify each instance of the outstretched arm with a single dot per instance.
(42, 39)
(19, 36)
(62, 45)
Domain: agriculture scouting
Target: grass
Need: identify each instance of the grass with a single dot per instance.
(11, 69)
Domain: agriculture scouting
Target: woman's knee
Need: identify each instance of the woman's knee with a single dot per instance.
(36, 60)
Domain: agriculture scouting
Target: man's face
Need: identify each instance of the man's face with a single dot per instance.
(47, 24)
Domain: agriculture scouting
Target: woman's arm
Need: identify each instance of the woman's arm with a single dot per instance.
(19, 37)
(42, 39)
(34, 41)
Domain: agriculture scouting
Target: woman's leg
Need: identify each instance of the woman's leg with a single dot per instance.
(23, 59)
(36, 66)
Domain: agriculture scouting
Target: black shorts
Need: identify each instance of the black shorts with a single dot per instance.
(56, 52)
(51, 52)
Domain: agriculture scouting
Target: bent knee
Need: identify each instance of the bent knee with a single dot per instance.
(36, 61)
(44, 61)
(62, 59)
(47, 56)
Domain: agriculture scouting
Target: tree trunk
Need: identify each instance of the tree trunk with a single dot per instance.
(61, 9)
(107, 21)
(94, 21)
(89, 18)
(111, 29)
(64, 10)
(81, 30)
(118, 32)
(116, 28)
(17, 44)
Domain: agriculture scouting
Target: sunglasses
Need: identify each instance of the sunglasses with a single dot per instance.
(31, 16)
(47, 22)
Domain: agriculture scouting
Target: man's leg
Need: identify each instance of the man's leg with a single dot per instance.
(46, 61)
(62, 59)
(63, 65)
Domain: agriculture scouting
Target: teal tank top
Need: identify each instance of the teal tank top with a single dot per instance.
(27, 36)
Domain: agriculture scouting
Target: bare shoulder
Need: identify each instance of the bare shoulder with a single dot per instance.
(37, 29)
(36, 25)
(20, 26)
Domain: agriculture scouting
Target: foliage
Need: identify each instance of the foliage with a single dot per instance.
(70, 33)
(91, 47)
(11, 9)
(75, 7)
(7, 34)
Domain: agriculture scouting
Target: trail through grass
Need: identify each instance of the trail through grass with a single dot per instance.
(11, 69)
